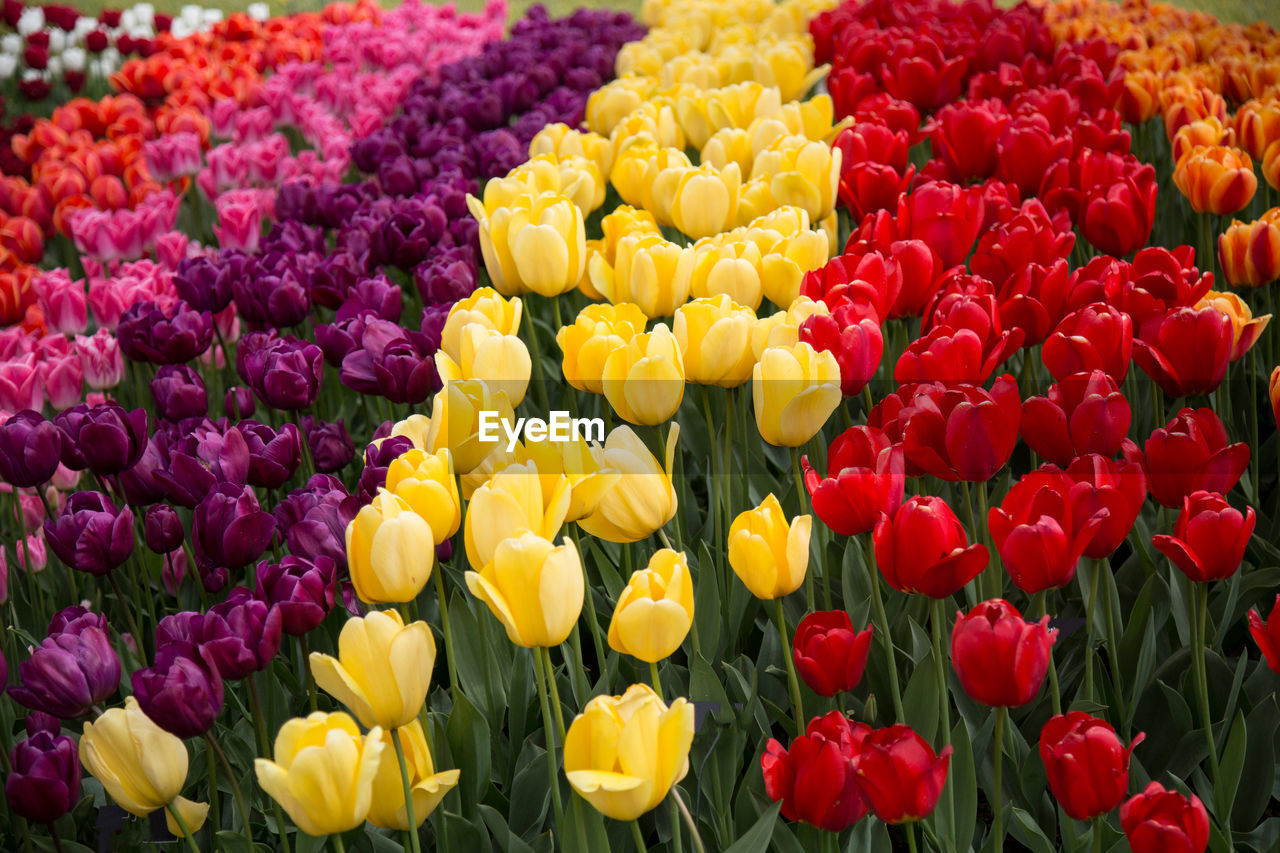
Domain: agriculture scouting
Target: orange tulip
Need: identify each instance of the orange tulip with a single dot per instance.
(1181, 106)
(1139, 100)
(1202, 133)
(1273, 391)
(1271, 164)
(1245, 328)
(1250, 251)
(1216, 179)
(1258, 125)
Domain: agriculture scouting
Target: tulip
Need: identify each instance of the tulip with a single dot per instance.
(1097, 337)
(1041, 533)
(1118, 488)
(794, 389)
(301, 589)
(1266, 633)
(1162, 821)
(1216, 179)
(644, 379)
(455, 421)
(655, 610)
(485, 307)
(704, 200)
(1249, 252)
(383, 669)
(713, 335)
(1188, 351)
(946, 217)
(899, 774)
(829, 655)
(865, 477)
(179, 392)
(922, 549)
(643, 498)
(241, 635)
(597, 331)
(182, 693)
(1087, 765)
(1000, 658)
(229, 529)
(501, 361)
(390, 550)
(1209, 538)
(30, 447)
(104, 438)
(141, 766)
(323, 773)
(1245, 328)
(162, 529)
(512, 502)
(536, 244)
(91, 535)
(800, 173)
(814, 778)
(45, 780)
(1191, 454)
(425, 481)
(622, 754)
(650, 272)
(427, 787)
(1083, 413)
(625, 220)
(72, 670)
(769, 554)
(172, 335)
(285, 373)
(273, 456)
(533, 588)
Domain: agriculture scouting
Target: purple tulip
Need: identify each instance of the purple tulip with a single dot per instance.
(242, 634)
(445, 278)
(377, 458)
(148, 333)
(377, 296)
(238, 403)
(229, 529)
(179, 393)
(275, 295)
(285, 373)
(391, 362)
(45, 780)
(139, 483)
(73, 669)
(162, 529)
(92, 535)
(30, 447)
(182, 693)
(103, 438)
(335, 276)
(300, 588)
(204, 282)
(314, 519)
(273, 456)
(196, 462)
(330, 444)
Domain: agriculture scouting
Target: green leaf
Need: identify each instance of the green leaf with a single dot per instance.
(1257, 777)
(1230, 768)
(963, 781)
(706, 603)
(920, 701)
(468, 736)
(869, 836)
(1024, 828)
(508, 841)
(756, 839)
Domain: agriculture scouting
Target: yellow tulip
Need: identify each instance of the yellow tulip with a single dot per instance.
(383, 668)
(455, 421)
(533, 588)
(767, 554)
(426, 786)
(649, 123)
(650, 272)
(577, 461)
(794, 390)
(141, 766)
(564, 142)
(643, 499)
(782, 328)
(800, 172)
(644, 378)
(714, 334)
(788, 65)
(623, 221)
(426, 483)
(323, 772)
(597, 331)
(414, 428)
(612, 102)
(646, 175)
(576, 177)
(623, 753)
(537, 243)
(728, 267)
(502, 361)
(729, 106)
(704, 201)
(390, 550)
(729, 145)
(655, 611)
(485, 307)
(510, 504)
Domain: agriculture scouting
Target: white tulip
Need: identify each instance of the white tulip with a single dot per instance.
(146, 13)
(74, 58)
(31, 21)
(11, 44)
(57, 41)
(54, 67)
(211, 17)
(8, 65)
(180, 29)
(259, 11)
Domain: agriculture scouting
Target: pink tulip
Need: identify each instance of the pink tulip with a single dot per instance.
(63, 378)
(239, 220)
(62, 301)
(101, 359)
(20, 385)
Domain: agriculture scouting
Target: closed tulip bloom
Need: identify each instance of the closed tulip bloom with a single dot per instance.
(945, 216)
(1257, 124)
(644, 379)
(104, 438)
(1209, 537)
(1087, 765)
(45, 780)
(624, 220)
(733, 268)
(587, 343)
(30, 448)
(1188, 351)
(455, 421)
(1245, 328)
(714, 337)
(643, 499)
(182, 692)
(655, 610)
(484, 307)
(1189, 454)
(382, 671)
(794, 390)
(390, 550)
(829, 655)
(704, 200)
(1000, 658)
(533, 588)
(1118, 487)
(511, 503)
(92, 534)
(923, 549)
(1096, 337)
(899, 774)
(1216, 179)
(141, 766)
(323, 772)
(501, 361)
(563, 141)
(1083, 413)
(856, 342)
(72, 670)
(425, 481)
(1266, 633)
(580, 463)
(801, 173)
(426, 786)
(537, 244)
(769, 554)
(1040, 531)
(300, 589)
(648, 271)
(814, 777)
(865, 478)
(1250, 251)
(1162, 821)
(622, 754)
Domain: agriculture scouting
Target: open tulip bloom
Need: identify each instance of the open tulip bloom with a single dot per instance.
(680, 426)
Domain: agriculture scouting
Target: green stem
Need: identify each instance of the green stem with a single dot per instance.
(182, 824)
(638, 837)
(123, 603)
(408, 792)
(578, 826)
(264, 749)
(305, 651)
(338, 846)
(1040, 608)
(688, 821)
(593, 620)
(792, 678)
(910, 830)
(241, 803)
(1113, 644)
(808, 576)
(1089, 687)
(653, 676)
(1097, 835)
(993, 586)
(937, 620)
(997, 797)
(881, 621)
(1202, 676)
(444, 623)
(215, 809)
(676, 843)
(553, 772)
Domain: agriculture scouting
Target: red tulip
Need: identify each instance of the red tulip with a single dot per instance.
(1267, 634)
(1000, 658)
(895, 112)
(815, 779)
(1158, 281)
(873, 141)
(964, 138)
(865, 479)
(868, 187)
(1087, 765)
(1096, 337)
(956, 432)
(922, 274)
(863, 279)
(856, 343)
(923, 549)
(1029, 236)
(947, 354)
(1040, 532)
(1209, 537)
(1187, 352)
(1026, 150)
(899, 774)
(917, 70)
(848, 87)
(1083, 413)
(1191, 454)
(1162, 821)
(945, 216)
(1118, 487)
(829, 655)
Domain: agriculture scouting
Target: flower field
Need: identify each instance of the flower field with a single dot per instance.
(719, 425)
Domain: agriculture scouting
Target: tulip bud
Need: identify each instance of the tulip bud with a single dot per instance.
(484, 307)
(768, 554)
(1040, 531)
(655, 610)
(403, 544)
(713, 335)
(643, 498)
(1250, 251)
(426, 786)
(794, 390)
(500, 360)
(426, 482)
(814, 778)
(1191, 454)
(1209, 538)
(536, 244)
(587, 343)
(1158, 820)
(91, 535)
(533, 588)
(455, 422)
(45, 780)
(300, 588)
(1087, 765)
(865, 478)
(829, 655)
(512, 502)
(1000, 658)
(74, 668)
(30, 447)
(704, 200)
(162, 529)
(1216, 179)
(1245, 328)
(644, 379)
(183, 692)
(923, 549)
(900, 774)
(648, 271)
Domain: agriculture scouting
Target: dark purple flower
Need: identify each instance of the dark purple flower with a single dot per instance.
(30, 447)
(273, 456)
(391, 362)
(333, 278)
(330, 444)
(445, 279)
(92, 535)
(182, 692)
(377, 458)
(45, 780)
(179, 393)
(204, 282)
(242, 634)
(275, 295)
(314, 519)
(300, 588)
(103, 438)
(238, 402)
(229, 529)
(147, 333)
(139, 483)
(162, 529)
(72, 670)
(377, 296)
(199, 460)
(285, 373)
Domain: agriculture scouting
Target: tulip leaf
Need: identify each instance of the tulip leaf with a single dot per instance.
(1257, 776)
(756, 839)
(920, 701)
(706, 603)
(869, 836)
(309, 843)
(468, 736)
(1024, 828)
(1230, 768)
(963, 780)
(379, 843)
(507, 841)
